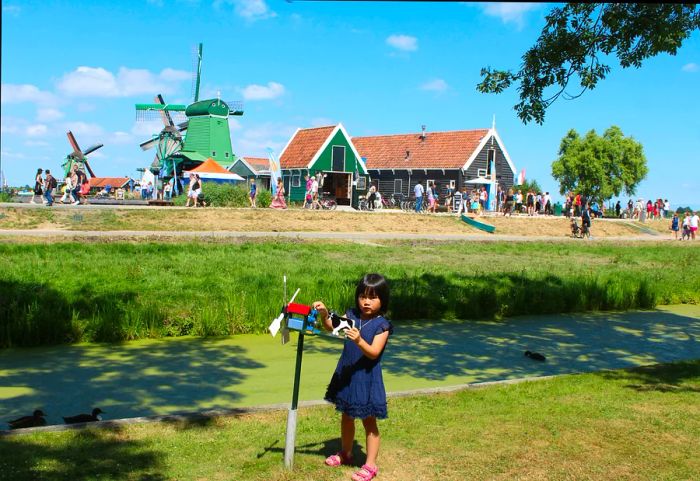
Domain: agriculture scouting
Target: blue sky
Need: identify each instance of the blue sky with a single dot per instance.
(377, 67)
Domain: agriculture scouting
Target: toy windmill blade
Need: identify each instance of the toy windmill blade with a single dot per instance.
(164, 113)
(74, 143)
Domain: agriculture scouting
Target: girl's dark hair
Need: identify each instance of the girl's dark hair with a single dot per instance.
(374, 284)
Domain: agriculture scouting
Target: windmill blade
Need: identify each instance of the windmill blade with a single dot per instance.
(74, 143)
(165, 114)
(89, 169)
(149, 144)
(92, 148)
(183, 126)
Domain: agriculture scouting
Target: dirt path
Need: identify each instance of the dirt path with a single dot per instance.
(223, 222)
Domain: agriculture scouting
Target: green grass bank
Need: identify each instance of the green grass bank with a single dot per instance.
(628, 425)
(116, 291)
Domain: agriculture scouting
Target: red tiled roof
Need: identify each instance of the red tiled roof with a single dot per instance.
(304, 146)
(258, 163)
(439, 150)
(115, 182)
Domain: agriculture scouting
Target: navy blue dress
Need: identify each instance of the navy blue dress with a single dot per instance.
(357, 386)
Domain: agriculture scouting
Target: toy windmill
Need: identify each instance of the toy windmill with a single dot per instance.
(78, 157)
(205, 123)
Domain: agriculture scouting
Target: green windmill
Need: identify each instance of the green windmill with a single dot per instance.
(205, 127)
(78, 157)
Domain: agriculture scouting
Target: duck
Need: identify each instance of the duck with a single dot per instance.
(36, 419)
(535, 355)
(85, 418)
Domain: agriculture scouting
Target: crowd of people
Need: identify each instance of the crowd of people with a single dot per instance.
(75, 188)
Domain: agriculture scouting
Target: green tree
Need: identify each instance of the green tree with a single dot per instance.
(574, 39)
(599, 167)
(530, 185)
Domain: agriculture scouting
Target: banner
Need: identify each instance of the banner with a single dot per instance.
(275, 171)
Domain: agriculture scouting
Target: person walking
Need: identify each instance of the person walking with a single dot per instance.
(418, 191)
(67, 190)
(694, 220)
(253, 193)
(49, 185)
(38, 185)
(278, 201)
(674, 225)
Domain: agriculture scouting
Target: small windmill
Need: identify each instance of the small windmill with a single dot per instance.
(78, 157)
(206, 125)
(169, 141)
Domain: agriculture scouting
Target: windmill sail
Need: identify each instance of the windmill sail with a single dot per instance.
(275, 171)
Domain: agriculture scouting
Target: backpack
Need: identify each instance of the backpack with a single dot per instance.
(52, 183)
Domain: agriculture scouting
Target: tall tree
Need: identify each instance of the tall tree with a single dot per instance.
(599, 167)
(575, 38)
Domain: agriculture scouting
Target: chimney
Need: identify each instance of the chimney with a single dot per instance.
(422, 135)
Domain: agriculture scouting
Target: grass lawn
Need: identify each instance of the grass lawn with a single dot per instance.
(114, 291)
(641, 424)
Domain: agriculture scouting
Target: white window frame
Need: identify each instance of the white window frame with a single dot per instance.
(362, 183)
(481, 172)
(296, 180)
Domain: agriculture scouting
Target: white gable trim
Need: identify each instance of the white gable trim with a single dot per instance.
(325, 144)
(491, 133)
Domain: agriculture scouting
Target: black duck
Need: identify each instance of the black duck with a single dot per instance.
(36, 419)
(85, 418)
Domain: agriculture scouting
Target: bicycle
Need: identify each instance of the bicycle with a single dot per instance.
(326, 203)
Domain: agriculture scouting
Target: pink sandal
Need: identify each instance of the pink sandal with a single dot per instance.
(338, 459)
(366, 473)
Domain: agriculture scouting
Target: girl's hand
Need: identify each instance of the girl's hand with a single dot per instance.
(322, 314)
(353, 334)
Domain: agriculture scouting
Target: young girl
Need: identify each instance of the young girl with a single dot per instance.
(357, 387)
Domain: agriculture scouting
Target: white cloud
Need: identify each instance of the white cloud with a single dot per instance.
(406, 43)
(172, 75)
(146, 129)
(249, 9)
(691, 67)
(36, 143)
(121, 138)
(254, 141)
(16, 94)
(437, 85)
(83, 129)
(49, 115)
(99, 82)
(509, 12)
(261, 92)
(36, 130)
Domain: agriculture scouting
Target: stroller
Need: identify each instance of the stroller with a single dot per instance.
(685, 232)
(575, 229)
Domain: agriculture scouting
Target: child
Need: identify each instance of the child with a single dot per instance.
(357, 387)
(674, 225)
(253, 192)
(685, 234)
